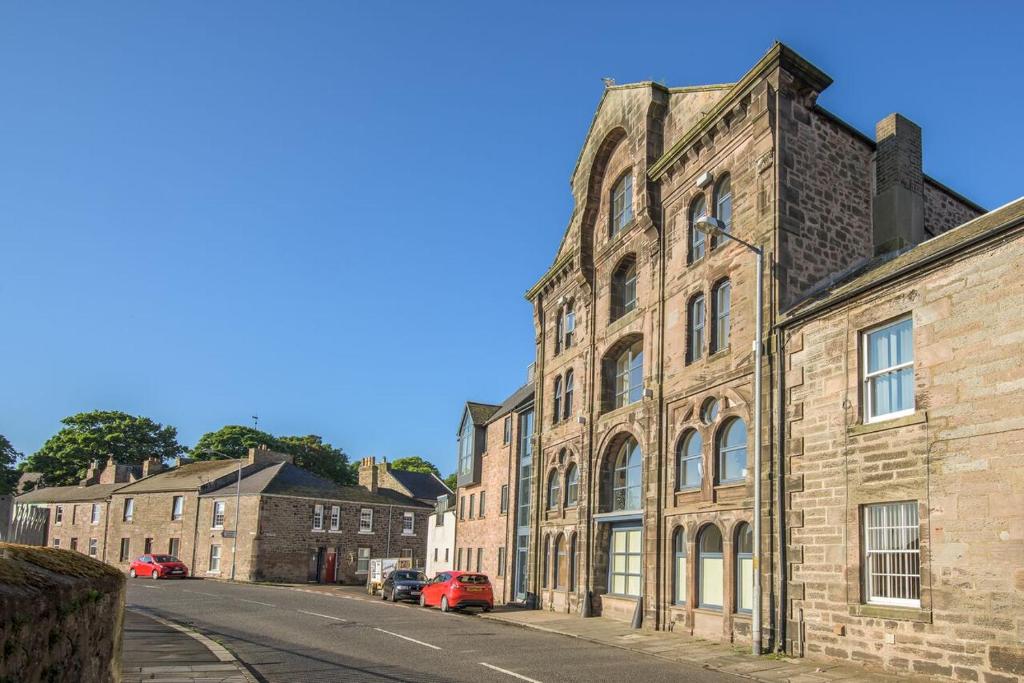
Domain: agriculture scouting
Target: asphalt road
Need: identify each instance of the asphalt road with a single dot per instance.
(290, 636)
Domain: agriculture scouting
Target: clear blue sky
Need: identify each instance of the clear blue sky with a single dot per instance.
(327, 213)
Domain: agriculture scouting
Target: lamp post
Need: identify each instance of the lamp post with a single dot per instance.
(713, 227)
(238, 497)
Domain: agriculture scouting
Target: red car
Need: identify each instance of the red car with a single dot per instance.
(455, 590)
(158, 567)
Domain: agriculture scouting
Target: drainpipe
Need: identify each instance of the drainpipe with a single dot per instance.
(663, 449)
(781, 489)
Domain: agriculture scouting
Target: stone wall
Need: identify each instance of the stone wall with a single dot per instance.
(76, 529)
(60, 616)
(152, 520)
(943, 211)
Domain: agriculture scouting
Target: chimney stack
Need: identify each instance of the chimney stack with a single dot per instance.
(152, 466)
(898, 206)
(368, 477)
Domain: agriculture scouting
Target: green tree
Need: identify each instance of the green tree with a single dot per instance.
(312, 453)
(233, 441)
(8, 473)
(452, 481)
(97, 435)
(415, 463)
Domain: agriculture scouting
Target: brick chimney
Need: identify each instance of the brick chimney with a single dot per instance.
(898, 206)
(368, 475)
(92, 475)
(152, 466)
(262, 455)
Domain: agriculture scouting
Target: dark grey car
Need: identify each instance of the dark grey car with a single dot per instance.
(403, 584)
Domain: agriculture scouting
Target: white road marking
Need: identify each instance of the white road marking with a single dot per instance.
(257, 602)
(325, 616)
(510, 673)
(212, 595)
(411, 640)
(145, 586)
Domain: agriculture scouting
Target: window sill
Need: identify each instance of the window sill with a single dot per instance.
(213, 573)
(408, 535)
(316, 531)
(716, 611)
(919, 417)
(725, 485)
(216, 528)
(366, 533)
(892, 612)
(334, 531)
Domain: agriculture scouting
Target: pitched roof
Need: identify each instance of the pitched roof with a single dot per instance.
(520, 396)
(480, 412)
(421, 485)
(286, 479)
(184, 477)
(69, 494)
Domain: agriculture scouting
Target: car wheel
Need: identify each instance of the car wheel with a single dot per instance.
(423, 600)
(487, 609)
(155, 575)
(131, 573)
(394, 596)
(444, 604)
(383, 595)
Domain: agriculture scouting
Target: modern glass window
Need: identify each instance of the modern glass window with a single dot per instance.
(95, 517)
(744, 568)
(626, 561)
(506, 437)
(482, 507)
(561, 563)
(723, 207)
(732, 451)
(690, 455)
(698, 210)
(629, 375)
(709, 411)
(129, 509)
(318, 517)
(572, 563)
(472, 504)
(720, 303)
(711, 575)
(892, 554)
(626, 478)
(695, 329)
(466, 447)
(214, 558)
(567, 413)
(58, 514)
(362, 560)
(366, 521)
(554, 490)
(889, 371)
(409, 523)
(126, 549)
(503, 502)
(218, 514)
(622, 202)
(679, 567)
(177, 507)
(501, 561)
(335, 518)
(558, 400)
(572, 486)
(623, 289)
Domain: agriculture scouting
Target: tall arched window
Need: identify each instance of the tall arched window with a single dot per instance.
(569, 326)
(698, 209)
(572, 563)
(557, 412)
(723, 207)
(732, 451)
(626, 478)
(572, 486)
(710, 575)
(744, 568)
(690, 456)
(629, 375)
(623, 288)
(554, 490)
(622, 202)
(547, 561)
(561, 563)
(679, 566)
(559, 333)
(695, 329)
(720, 304)
(568, 394)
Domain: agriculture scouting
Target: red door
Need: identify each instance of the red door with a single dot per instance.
(329, 567)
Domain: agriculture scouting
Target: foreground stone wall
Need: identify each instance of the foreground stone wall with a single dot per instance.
(60, 616)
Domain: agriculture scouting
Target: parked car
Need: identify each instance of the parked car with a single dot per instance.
(158, 567)
(457, 590)
(403, 584)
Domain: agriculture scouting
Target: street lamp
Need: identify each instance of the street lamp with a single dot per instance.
(238, 497)
(715, 228)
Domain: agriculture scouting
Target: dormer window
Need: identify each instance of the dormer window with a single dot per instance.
(622, 203)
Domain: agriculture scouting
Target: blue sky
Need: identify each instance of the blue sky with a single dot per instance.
(326, 213)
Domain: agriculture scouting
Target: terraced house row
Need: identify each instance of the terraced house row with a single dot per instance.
(891, 414)
(258, 519)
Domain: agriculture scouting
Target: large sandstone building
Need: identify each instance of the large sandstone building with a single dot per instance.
(892, 400)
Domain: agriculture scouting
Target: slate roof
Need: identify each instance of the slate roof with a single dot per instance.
(184, 477)
(286, 479)
(421, 485)
(69, 494)
(480, 413)
(520, 396)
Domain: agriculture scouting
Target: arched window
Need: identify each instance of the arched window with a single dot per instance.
(572, 486)
(732, 451)
(569, 326)
(568, 394)
(695, 329)
(691, 462)
(561, 563)
(572, 563)
(709, 410)
(698, 209)
(623, 289)
(554, 490)
(622, 202)
(626, 476)
(744, 568)
(629, 375)
(557, 412)
(547, 562)
(679, 566)
(723, 207)
(710, 575)
(720, 305)
(559, 333)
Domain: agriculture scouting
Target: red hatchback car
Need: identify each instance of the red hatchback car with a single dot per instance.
(455, 590)
(158, 567)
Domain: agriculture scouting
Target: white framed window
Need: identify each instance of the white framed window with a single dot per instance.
(889, 371)
(129, 509)
(723, 208)
(698, 210)
(622, 202)
(95, 517)
(695, 329)
(409, 523)
(745, 569)
(629, 375)
(710, 568)
(318, 517)
(721, 297)
(690, 456)
(366, 521)
(93, 547)
(56, 543)
(572, 486)
(501, 561)
(623, 297)
(174, 547)
(570, 325)
(218, 514)
(58, 514)
(335, 517)
(679, 577)
(732, 451)
(554, 490)
(625, 573)
(362, 560)
(214, 558)
(892, 554)
(126, 549)
(177, 507)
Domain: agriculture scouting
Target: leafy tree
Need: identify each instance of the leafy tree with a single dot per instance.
(415, 463)
(320, 458)
(97, 435)
(8, 473)
(452, 481)
(233, 441)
